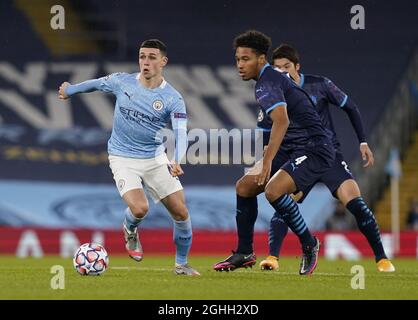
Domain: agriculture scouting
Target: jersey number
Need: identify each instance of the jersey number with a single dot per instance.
(345, 166)
(299, 160)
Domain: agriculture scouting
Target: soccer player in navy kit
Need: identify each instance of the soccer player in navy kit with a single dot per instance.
(297, 130)
(338, 179)
(145, 103)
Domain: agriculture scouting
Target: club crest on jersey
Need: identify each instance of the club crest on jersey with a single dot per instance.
(157, 105)
(260, 116)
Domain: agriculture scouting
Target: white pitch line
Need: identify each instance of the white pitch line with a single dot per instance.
(315, 273)
(141, 268)
(236, 271)
(275, 273)
(294, 273)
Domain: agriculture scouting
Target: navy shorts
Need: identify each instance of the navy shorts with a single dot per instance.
(279, 160)
(339, 173)
(308, 166)
(335, 176)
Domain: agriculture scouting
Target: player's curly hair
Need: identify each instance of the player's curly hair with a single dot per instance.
(286, 51)
(253, 39)
(155, 43)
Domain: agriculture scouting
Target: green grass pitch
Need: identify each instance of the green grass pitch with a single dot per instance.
(153, 279)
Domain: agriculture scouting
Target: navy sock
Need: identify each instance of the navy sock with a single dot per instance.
(367, 224)
(289, 211)
(247, 211)
(277, 232)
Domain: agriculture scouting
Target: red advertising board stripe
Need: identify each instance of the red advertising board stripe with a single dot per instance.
(52, 241)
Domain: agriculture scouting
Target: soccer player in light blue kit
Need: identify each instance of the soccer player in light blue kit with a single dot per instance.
(145, 103)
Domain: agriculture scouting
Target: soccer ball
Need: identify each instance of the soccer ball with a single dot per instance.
(91, 259)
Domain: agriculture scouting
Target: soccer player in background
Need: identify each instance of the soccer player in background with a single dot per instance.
(338, 179)
(297, 131)
(145, 103)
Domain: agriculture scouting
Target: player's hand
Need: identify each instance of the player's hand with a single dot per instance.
(175, 169)
(367, 155)
(264, 175)
(61, 91)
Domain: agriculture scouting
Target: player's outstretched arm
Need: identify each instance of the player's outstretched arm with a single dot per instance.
(105, 84)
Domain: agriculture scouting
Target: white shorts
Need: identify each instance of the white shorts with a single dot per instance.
(131, 173)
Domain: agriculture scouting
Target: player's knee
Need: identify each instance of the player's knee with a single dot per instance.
(179, 212)
(348, 191)
(139, 210)
(239, 188)
(245, 189)
(271, 194)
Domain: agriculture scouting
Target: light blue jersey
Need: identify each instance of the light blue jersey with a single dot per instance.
(140, 113)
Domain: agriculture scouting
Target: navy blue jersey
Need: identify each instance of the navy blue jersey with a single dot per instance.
(274, 89)
(323, 93)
